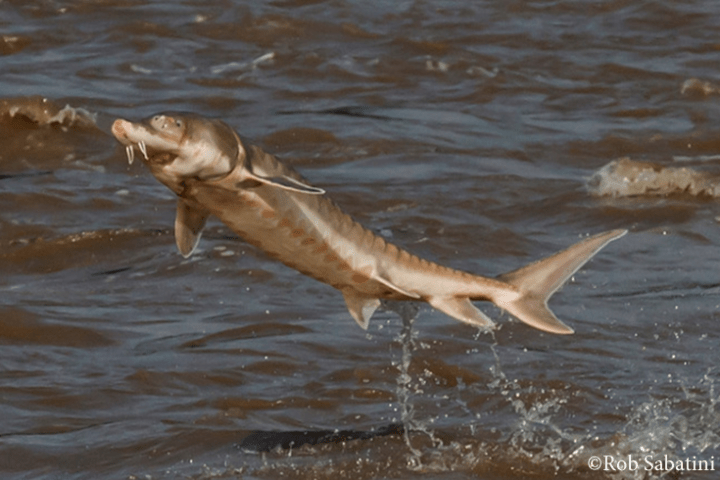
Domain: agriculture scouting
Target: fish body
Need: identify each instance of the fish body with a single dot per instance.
(269, 205)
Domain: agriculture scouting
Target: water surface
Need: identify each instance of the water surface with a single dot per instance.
(465, 132)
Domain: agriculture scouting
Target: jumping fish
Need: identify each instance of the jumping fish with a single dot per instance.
(214, 172)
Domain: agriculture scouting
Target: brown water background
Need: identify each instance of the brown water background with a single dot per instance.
(463, 131)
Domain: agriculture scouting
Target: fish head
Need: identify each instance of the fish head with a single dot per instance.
(180, 146)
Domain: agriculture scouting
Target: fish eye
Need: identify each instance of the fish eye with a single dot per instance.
(178, 123)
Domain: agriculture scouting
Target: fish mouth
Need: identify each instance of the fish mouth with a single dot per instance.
(130, 151)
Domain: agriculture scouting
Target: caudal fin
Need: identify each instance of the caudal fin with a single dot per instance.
(538, 281)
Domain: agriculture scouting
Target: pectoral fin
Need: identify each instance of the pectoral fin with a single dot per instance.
(287, 183)
(361, 308)
(189, 222)
(461, 308)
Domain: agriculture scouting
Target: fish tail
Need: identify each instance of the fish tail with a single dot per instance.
(535, 283)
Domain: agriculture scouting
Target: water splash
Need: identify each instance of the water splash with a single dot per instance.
(685, 426)
(681, 429)
(407, 388)
(408, 341)
(536, 434)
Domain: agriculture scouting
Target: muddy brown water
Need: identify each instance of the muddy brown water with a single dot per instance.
(465, 132)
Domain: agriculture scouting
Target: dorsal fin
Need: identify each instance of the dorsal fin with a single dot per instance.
(287, 183)
(265, 168)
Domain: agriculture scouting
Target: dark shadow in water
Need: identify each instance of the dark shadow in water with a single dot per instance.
(4, 176)
(268, 441)
(261, 441)
(112, 271)
(349, 111)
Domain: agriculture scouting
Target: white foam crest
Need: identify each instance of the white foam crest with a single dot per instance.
(697, 86)
(625, 178)
(267, 58)
(73, 116)
(139, 69)
(46, 112)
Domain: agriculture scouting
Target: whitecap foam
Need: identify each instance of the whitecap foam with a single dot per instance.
(43, 111)
(694, 86)
(625, 178)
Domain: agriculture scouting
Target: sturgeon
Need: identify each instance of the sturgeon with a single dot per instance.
(215, 173)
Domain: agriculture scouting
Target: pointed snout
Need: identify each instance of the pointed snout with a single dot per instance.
(120, 128)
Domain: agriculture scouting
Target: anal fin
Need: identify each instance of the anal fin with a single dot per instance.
(360, 307)
(461, 308)
(189, 222)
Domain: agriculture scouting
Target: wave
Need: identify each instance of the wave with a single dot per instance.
(694, 86)
(42, 111)
(627, 178)
(40, 135)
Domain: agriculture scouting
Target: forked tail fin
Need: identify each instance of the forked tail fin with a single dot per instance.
(538, 281)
